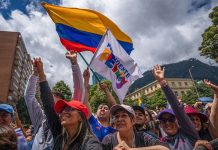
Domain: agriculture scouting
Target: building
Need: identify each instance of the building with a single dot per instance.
(15, 64)
(178, 85)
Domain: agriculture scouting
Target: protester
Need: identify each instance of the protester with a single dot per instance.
(101, 125)
(126, 137)
(181, 133)
(143, 120)
(6, 119)
(198, 120)
(8, 138)
(213, 117)
(42, 135)
(70, 129)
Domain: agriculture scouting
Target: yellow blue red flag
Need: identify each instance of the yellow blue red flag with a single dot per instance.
(82, 29)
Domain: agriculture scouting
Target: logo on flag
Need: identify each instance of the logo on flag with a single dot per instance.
(112, 62)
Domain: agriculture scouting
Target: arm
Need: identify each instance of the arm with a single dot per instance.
(19, 124)
(157, 147)
(86, 76)
(34, 108)
(213, 118)
(108, 94)
(185, 123)
(77, 77)
(48, 101)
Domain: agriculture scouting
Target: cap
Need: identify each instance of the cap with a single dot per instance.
(7, 108)
(139, 108)
(165, 111)
(192, 111)
(122, 106)
(59, 106)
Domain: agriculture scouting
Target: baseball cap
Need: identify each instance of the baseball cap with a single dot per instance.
(61, 104)
(168, 111)
(139, 108)
(122, 106)
(7, 108)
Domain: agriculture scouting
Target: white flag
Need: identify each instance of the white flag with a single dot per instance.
(112, 62)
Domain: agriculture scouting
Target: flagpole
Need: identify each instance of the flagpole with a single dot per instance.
(102, 39)
(90, 68)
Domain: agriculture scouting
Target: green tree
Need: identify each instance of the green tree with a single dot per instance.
(64, 89)
(158, 99)
(209, 45)
(23, 111)
(191, 96)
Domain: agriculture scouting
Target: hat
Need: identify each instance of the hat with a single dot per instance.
(61, 104)
(165, 111)
(7, 108)
(139, 108)
(122, 106)
(192, 111)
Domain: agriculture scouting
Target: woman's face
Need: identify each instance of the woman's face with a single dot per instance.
(69, 117)
(122, 121)
(147, 117)
(169, 125)
(196, 121)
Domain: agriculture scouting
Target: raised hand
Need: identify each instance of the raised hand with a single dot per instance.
(35, 71)
(72, 56)
(158, 73)
(210, 84)
(86, 76)
(104, 86)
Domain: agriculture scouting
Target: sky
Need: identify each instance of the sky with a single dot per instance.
(162, 31)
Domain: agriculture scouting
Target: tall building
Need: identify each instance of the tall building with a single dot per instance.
(178, 85)
(15, 64)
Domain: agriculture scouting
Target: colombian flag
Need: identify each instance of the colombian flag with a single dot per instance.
(82, 29)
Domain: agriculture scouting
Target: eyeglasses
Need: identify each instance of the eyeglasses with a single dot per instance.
(165, 120)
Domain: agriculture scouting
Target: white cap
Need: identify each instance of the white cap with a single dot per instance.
(122, 106)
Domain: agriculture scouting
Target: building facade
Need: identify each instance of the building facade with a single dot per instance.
(15, 64)
(178, 85)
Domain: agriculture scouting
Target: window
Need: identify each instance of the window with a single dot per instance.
(176, 93)
(180, 84)
(173, 83)
(186, 84)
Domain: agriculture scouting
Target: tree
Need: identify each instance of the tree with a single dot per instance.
(97, 95)
(158, 99)
(64, 89)
(191, 96)
(209, 45)
(23, 111)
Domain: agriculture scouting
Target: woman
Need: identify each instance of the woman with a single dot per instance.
(126, 136)
(67, 120)
(198, 119)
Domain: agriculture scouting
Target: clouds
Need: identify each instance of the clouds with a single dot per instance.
(162, 32)
(4, 4)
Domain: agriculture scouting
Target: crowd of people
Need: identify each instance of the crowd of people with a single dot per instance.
(71, 125)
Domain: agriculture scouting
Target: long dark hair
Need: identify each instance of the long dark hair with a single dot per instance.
(84, 133)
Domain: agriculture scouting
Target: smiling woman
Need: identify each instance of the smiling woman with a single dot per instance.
(126, 136)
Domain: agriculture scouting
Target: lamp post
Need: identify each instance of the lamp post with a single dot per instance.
(193, 80)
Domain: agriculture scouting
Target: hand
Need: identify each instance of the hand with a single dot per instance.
(35, 71)
(39, 65)
(86, 75)
(208, 83)
(72, 56)
(104, 86)
(203, 143)
(158, 73)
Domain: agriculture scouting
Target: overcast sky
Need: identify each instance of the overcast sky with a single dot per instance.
(163, 31)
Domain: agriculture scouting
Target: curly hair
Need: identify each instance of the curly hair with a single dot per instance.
(8, 138)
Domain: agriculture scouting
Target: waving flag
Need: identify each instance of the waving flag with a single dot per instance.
(112, 62)
(82, 29)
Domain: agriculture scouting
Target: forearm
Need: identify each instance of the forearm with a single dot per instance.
(213, 118)
(110, 97)
(78, 83)
(157, 147)
(86, 98)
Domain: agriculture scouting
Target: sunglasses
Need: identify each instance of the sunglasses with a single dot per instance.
(67, 109)
(165, 120)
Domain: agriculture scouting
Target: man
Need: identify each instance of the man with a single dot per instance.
(101, 124)
(6, 119)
